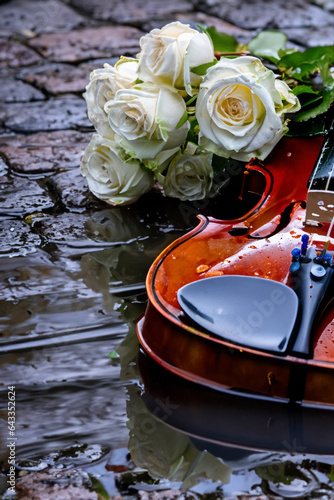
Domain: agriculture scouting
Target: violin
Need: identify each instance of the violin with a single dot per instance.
(246, 305)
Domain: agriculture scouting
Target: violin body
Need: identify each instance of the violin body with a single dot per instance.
(259, 245)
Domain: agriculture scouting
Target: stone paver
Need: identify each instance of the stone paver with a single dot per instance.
(311, 36)
(17, 238)
(83, 45)
(71, 189)
(20, 197)
(16, 55)
(44, 152)
(39, 16)
(133, 11)
(260, 14)
(14, 90)
(58, 79)
(54, 114)
(55, 483)
(65, 229)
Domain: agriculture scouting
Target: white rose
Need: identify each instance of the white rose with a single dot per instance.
(110, 178)
(168, 54)
(145, 118)
(189, 176)
(236, 109)
(288, 101)
(104, 83)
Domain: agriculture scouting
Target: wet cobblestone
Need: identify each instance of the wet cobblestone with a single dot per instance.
(53, 114)
(134, 12)
(44, 152)
(82, 45)
(267, 15)
(20, 196)
(47, 52)
(16, 91)
(17, 238)
(58, 79)
(16, 55)
(39, 16)
(72, 191)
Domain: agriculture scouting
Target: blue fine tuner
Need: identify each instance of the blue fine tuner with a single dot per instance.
(295, 265)
(305, 239)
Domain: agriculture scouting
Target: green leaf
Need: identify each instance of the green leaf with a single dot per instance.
(202, 68)
(268, 44)
(183, 119)
(311, 128)
(191, 100)
(307, 95)
(300, 65)
(306, 100)
(193, 131)
(322, 107)
(303, 89)
(331, 473)
(221, 41)
(113, 355)
(98, 487)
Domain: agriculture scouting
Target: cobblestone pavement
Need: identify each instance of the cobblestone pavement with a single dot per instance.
(47, 50)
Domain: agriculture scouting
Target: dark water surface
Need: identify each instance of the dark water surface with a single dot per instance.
(64, 306)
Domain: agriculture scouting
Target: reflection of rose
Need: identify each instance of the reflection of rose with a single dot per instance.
(189, 177)
(168, 54)
(115, 225)
(109, 177)
(130, 247)
(165, 452)
(104, 83)
(240, 110)
(145, 118)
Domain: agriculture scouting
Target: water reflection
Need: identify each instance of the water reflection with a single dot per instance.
(247, 445)
(166, 453)
(63, 309)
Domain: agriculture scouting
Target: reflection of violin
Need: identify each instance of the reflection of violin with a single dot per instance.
(234, 420)
(264, 322)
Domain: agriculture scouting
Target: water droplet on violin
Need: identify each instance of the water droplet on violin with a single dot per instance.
(226, 261)
(202, 268)
(240, 257)
(311, 286)
(256, 273)
(252, 246)
(289, 154)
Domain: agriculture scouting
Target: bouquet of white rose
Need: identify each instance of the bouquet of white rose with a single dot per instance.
(162, 116)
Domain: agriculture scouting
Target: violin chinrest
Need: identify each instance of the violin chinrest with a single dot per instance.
(246, 310)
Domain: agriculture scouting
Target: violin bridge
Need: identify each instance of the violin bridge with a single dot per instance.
(319, 207)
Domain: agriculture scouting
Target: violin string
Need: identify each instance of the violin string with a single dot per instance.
(330, 227)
